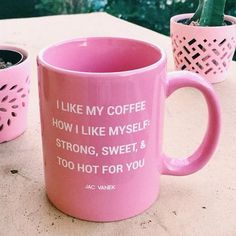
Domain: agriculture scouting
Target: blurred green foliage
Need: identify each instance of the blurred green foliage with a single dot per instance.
(152, 14)
(52, 7)
(16, 9)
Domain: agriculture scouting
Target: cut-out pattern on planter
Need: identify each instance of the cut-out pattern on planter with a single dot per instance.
(207, 57)
(204, 50)
(13, 100)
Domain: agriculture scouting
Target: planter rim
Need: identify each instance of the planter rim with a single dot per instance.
(17, 49)
(174, 21)
(17, 52)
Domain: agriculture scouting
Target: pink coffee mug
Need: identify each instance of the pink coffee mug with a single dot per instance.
(102, 106)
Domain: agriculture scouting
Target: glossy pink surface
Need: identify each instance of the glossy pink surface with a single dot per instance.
(205, 50)
(14, 92)
(119, 75)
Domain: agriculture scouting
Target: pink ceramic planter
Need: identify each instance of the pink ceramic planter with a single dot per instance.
(14, 91)
(204, 50)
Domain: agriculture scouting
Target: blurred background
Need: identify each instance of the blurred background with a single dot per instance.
(142, 12)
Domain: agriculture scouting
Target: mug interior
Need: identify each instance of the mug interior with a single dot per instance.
(101, 55)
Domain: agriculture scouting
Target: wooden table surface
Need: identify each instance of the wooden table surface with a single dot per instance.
(200, 204)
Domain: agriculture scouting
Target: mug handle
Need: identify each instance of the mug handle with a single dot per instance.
(201, 156)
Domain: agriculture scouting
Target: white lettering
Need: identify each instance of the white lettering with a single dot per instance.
(128, 129)
(87, 168)
(70, 107)
(62, 125)
(74, 147)
(94, 110)
(112, 169)
(93, 131)
(126, 109)
(119, 150)
(135, 165)
(65, 163)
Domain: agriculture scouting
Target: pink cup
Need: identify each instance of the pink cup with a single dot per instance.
(102, 106)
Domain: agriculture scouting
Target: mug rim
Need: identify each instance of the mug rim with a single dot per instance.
(157, 63)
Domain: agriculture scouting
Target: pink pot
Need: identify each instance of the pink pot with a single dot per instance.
(14, 91)
(204, 50)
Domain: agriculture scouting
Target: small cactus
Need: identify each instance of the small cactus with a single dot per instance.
(209, 13)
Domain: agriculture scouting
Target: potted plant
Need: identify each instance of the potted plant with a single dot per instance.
(14, 90)
(204, 42)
